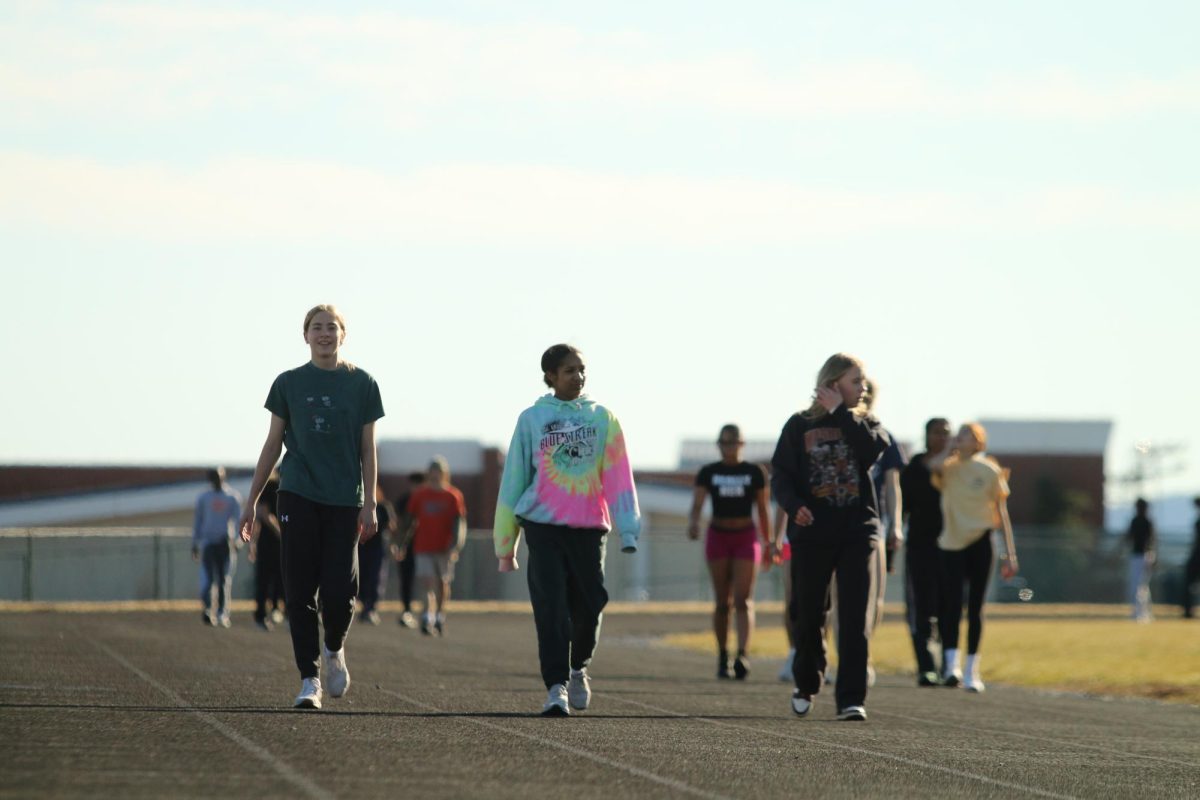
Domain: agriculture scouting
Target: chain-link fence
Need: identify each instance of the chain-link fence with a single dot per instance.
(1057, 565)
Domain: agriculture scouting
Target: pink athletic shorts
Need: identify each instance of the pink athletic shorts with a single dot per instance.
(743, 544)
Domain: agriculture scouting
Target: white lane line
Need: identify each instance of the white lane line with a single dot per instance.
(286, 772)
(851, 748)
(662, 780)
(1033, 737)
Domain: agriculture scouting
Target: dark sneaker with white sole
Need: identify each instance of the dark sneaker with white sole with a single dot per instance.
(852, 714)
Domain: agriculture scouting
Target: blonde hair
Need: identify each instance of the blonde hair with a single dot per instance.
(332, 311)
(979, 432)
(981, 436)
(831, 372)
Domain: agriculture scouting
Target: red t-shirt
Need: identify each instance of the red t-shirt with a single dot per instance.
(434, 511)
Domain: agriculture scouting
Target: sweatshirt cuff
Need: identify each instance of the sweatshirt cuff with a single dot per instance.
(629, 542)
(508, 563)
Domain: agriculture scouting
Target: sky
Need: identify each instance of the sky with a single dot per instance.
(996, 208)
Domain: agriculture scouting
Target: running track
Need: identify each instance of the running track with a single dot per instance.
(146, 704)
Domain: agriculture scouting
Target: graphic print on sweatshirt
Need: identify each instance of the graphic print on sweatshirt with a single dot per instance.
(832, 471)
(569, 453)
(321, 411)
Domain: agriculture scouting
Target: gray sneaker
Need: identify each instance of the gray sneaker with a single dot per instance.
(579, 689)
(556, 702)
(336, 671)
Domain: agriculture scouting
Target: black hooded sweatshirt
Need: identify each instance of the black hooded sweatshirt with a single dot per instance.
(823, 464)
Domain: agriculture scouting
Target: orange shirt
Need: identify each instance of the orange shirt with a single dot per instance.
(434, 512)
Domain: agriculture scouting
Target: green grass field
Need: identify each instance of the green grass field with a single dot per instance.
(1071, 648)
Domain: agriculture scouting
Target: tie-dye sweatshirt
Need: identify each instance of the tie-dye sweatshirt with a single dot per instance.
(567, 465)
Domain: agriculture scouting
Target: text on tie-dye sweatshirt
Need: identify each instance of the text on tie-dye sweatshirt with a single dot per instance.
(567, 465)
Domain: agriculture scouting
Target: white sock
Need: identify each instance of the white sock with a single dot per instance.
(972, 666)
(575, 673)
(951, 665)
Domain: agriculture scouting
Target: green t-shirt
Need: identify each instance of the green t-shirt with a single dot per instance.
(324, 412)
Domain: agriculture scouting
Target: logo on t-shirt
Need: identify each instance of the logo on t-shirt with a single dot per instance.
(321, 422)
(731, 485)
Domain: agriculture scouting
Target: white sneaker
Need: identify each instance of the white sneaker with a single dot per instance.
(556, 702)
(310, 694)
(579, 689)
(336, 672)
(801, 703)
(973, 683)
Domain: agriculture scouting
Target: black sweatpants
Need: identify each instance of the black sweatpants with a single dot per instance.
(320, 558)
(1191, 574)
(922, 578)
(406, 569)
(372, 575)
(974, 567)
(857, 561)
(566, 589)
(268, 575)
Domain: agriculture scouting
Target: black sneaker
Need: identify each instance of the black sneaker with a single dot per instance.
(928, 679)
(209, 619)
(440, 627)
(723, 667)
(425, 629)
(741, 667)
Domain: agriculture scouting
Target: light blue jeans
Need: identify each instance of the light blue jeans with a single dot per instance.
(1139, 586)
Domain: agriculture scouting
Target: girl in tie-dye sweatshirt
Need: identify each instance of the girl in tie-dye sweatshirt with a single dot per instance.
(567, 482)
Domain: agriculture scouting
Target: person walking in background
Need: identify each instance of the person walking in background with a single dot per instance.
(821, 478)
(974, 503)
(885, 473)
(402, 553)
(324, 412)
(1191, 570)
(1142, 556)
(437, 532)
(265, 554)
(922, 559)
(373, 570)
(737, 489)
(781, 553)
(212, 544)
(567, 482)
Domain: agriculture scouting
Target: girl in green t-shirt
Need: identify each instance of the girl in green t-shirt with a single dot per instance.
(324, 414)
